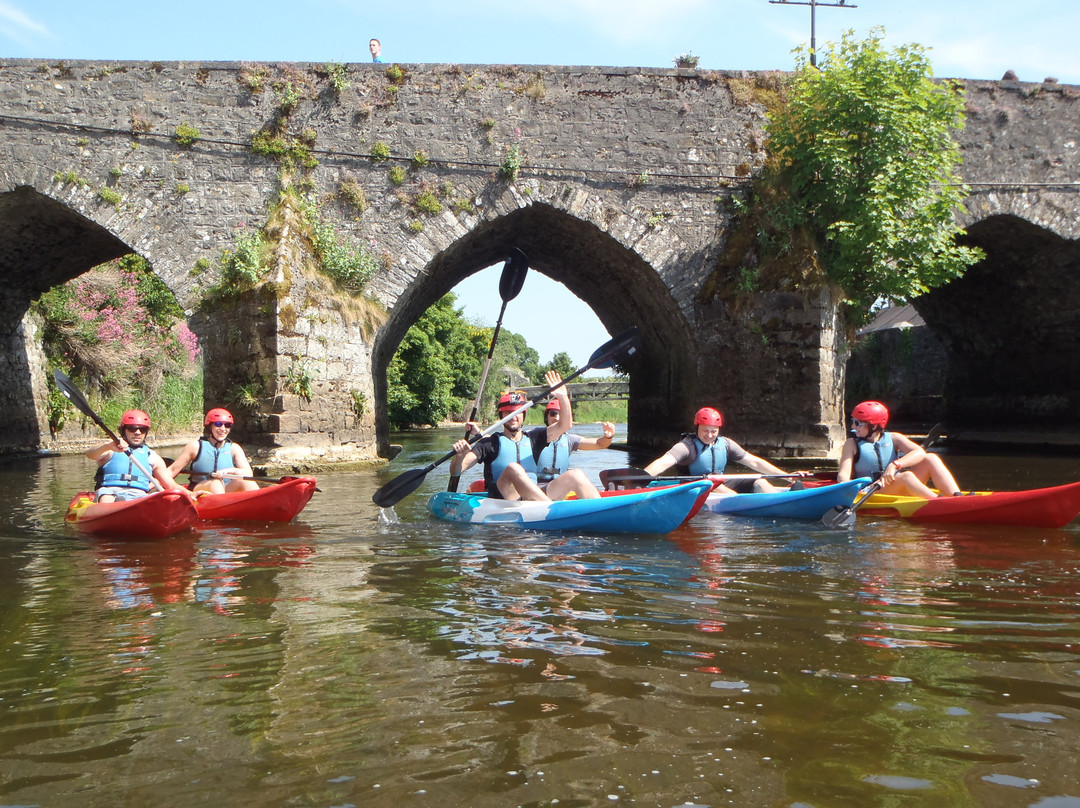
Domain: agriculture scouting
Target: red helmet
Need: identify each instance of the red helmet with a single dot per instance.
(871, 412)
(709, 417)
(511, 400)
(217, 414)
(134, 418)
(553, 406)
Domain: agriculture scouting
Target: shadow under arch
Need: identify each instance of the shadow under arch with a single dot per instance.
(1010, 327)
(617, 283)
(43, 243)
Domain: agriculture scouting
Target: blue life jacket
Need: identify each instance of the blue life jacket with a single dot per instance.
(510, 451)
(554, 459)
(871, 457)
(210, 459)
(121, 472)
(710, 459)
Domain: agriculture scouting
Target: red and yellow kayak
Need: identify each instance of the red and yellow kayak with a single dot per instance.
(1035, 507)
(274, 503)
(155, 516)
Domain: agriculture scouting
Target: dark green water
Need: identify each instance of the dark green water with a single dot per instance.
(350, 660)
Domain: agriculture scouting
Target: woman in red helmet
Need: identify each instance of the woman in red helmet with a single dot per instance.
(217, 464)
(903, 467)
(119, 477)
(704, 452)
(509, 458)
(554, 459)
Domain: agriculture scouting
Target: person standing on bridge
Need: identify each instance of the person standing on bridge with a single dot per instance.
(704, 451)
(375, 46)
(510, 458)
(554, 459)
(902, 466)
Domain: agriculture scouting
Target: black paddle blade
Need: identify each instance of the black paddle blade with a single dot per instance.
(932, 436)
(838, 517)
(619, 478)
(400, 487)
(513, 275)
(617, 349)
(71, 392)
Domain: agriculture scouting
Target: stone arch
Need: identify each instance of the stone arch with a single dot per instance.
(1010, 326)
(619, 284)
(47, 238)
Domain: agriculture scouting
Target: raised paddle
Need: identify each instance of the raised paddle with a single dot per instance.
(510, 283)
(75, 396)
(610, 353)
(840, 516)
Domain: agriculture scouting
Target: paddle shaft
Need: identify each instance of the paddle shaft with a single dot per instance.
(75, 396)
(845, 517)
(605, 356)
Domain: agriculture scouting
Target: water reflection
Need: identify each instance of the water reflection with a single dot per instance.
(358, 657)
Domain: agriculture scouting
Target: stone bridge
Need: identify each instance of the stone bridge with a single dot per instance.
(614, 181)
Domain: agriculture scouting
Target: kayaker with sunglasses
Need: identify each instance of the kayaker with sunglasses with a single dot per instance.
(903, 467)
(510, 457)
(119, 477)
(217, 463)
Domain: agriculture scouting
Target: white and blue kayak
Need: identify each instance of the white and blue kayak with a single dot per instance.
(811, 502)
(649, 510)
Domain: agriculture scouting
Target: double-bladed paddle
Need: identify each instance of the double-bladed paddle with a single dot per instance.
(510, 283)
(610, 478)
(840, 516)
(610, 353)
(75, 396)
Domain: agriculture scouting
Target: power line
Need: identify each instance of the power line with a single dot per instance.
(813, 23)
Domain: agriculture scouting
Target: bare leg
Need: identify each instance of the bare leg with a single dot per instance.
(934, 468)
(514, 483)
(907, 484)
(574, 481)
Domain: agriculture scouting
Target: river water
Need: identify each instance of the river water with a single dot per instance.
(360, 658)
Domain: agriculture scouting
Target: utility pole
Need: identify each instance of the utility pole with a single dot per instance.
(813, 23)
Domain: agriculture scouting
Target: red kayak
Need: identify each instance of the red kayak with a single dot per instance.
(274, 503)
(1035, 507)
(155, 516)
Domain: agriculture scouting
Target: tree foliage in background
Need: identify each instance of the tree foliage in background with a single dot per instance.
(436, 371)
(864, 154)
(120, 333)
(561, 363)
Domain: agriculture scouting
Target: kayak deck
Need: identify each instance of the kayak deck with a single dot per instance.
(274, 503)
(1037, 507)
(155, 516)
(658, 510)
(810, 502)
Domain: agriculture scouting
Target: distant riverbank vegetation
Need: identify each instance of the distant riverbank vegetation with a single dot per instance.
(435, 374)
(118, 332)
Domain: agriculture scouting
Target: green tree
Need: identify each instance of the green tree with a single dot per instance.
(561, 363)
(436, 367)
(864, 151)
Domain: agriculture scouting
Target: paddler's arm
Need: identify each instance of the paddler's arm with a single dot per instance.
(566, 413)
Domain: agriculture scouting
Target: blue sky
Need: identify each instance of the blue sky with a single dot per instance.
(975, 39)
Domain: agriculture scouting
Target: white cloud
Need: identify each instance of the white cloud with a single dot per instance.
(16, 27)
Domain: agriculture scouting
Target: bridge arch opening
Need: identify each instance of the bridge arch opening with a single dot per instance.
(617, 283)
(1010, 327)
(45, 244)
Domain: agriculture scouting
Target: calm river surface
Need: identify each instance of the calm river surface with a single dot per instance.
(354, 658)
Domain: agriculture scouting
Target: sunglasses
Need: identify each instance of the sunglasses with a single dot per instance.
(855, 422)
(137, 428)
(226, 424)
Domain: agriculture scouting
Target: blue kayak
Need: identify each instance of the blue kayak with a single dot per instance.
(650, 510)
(811, 502)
